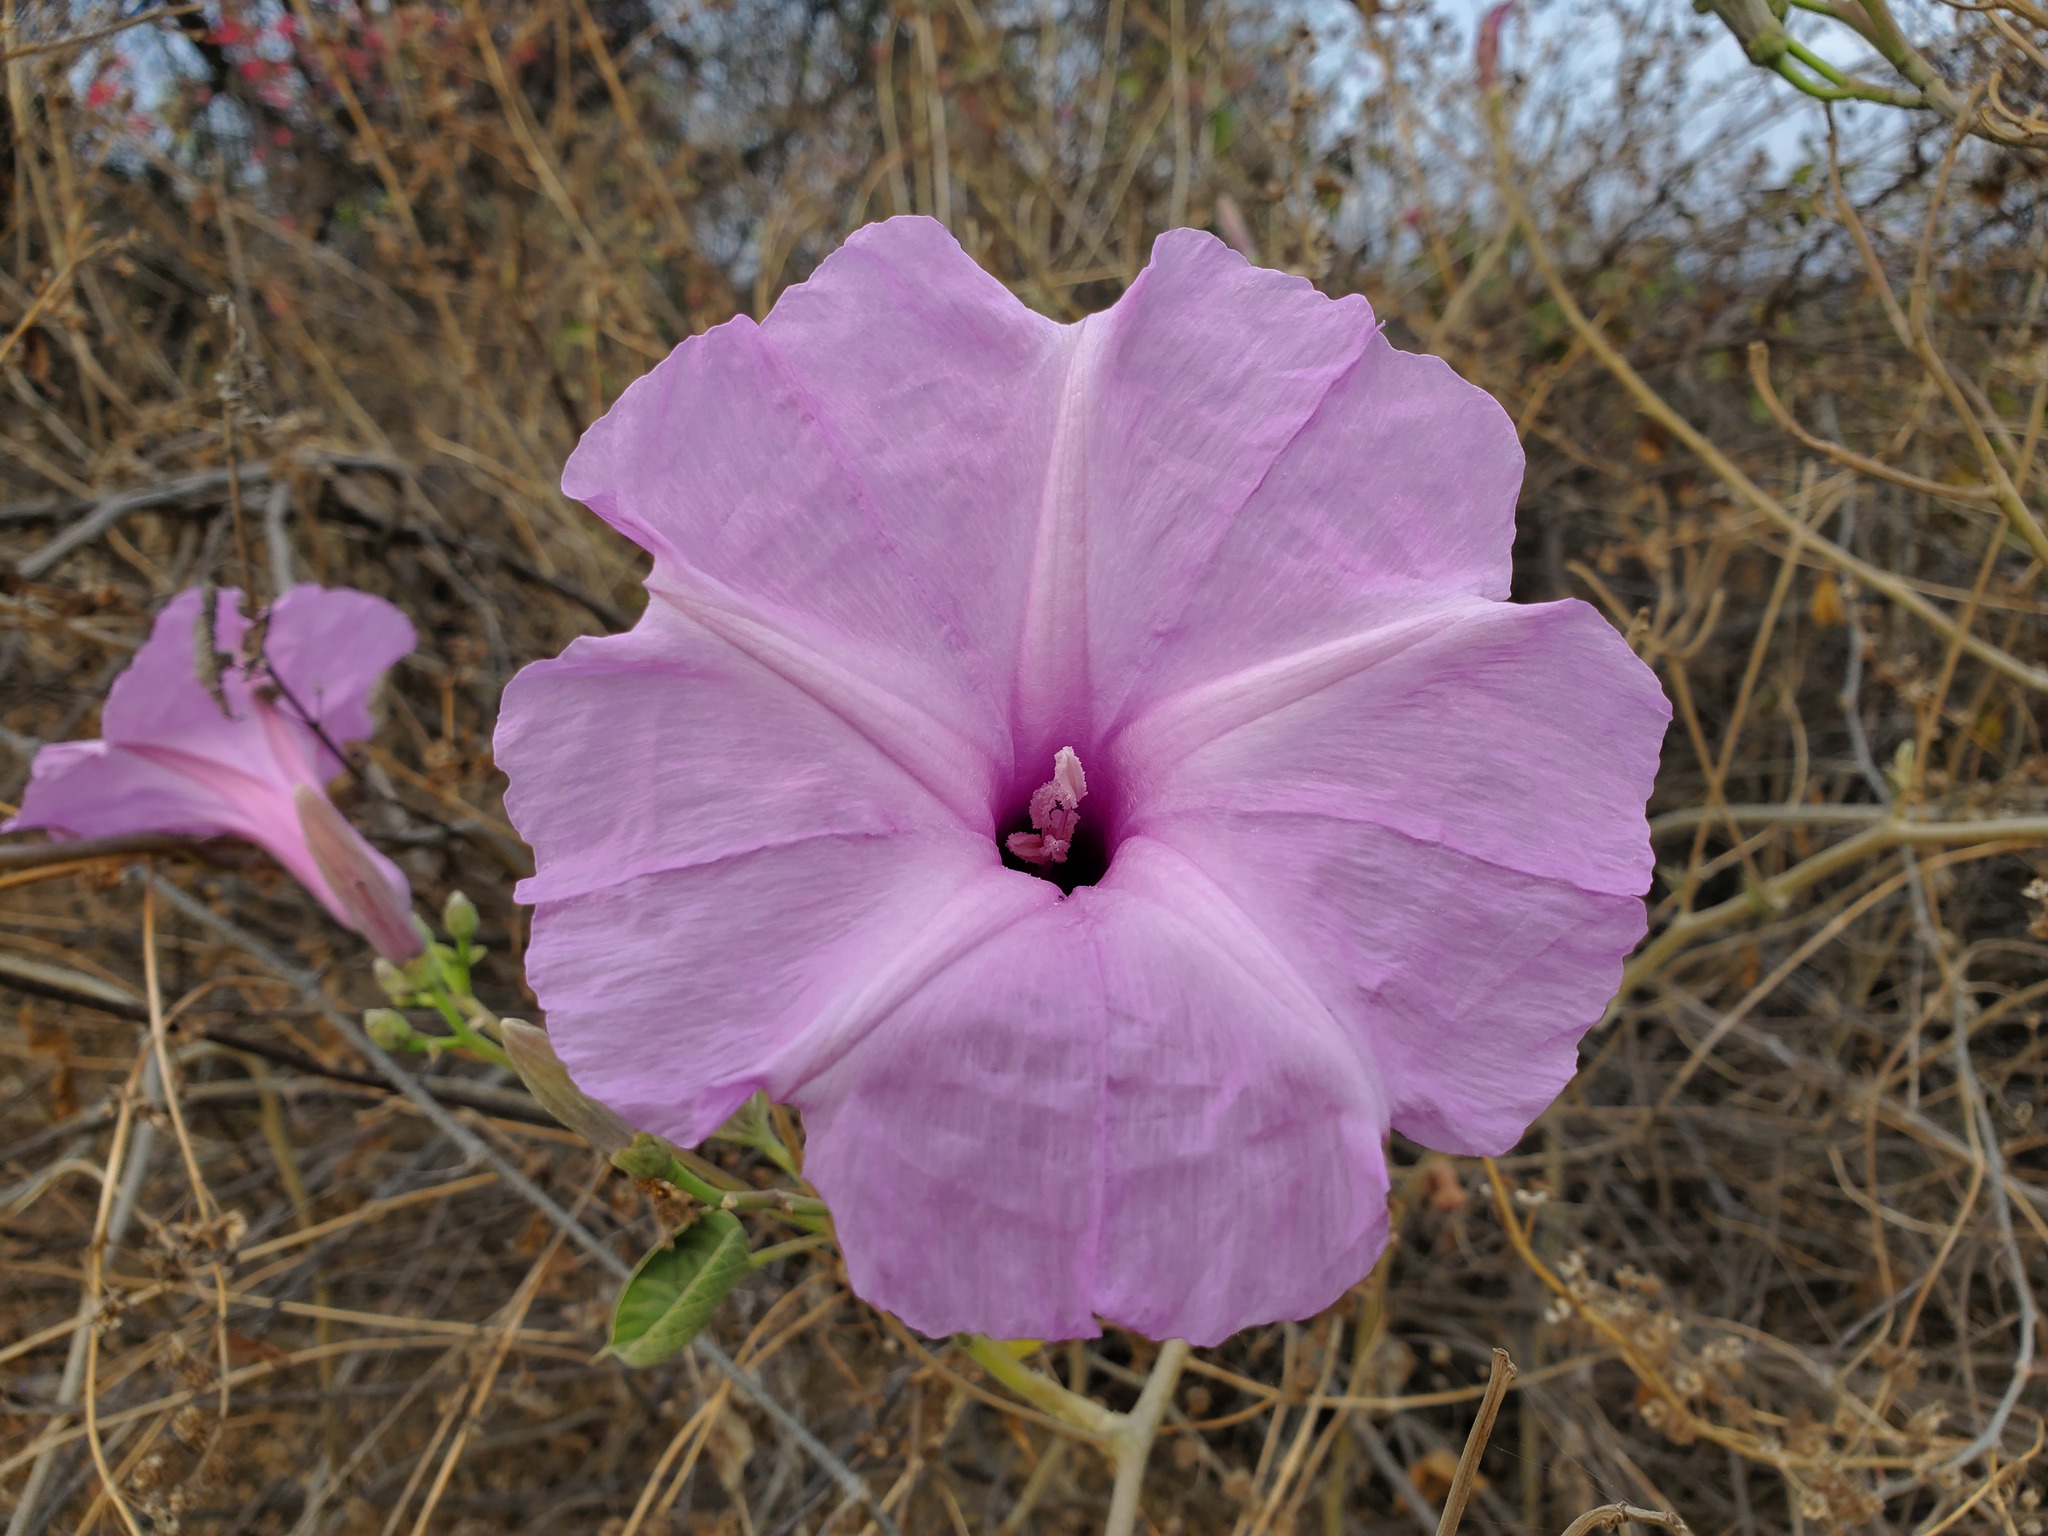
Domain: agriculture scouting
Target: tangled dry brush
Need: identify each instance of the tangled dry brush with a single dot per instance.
(314, 292)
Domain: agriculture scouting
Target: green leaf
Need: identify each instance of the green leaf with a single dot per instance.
(674, 1289)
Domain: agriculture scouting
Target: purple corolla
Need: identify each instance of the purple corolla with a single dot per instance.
(1091, 770)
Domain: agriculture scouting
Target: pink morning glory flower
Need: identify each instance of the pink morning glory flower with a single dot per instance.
(250, 762)
(1092, 771)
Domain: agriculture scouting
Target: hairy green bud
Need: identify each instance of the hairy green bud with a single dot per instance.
(395, 984)
(459, 918)
(387, 1026)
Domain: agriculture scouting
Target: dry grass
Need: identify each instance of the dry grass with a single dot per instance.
(1770, 1263)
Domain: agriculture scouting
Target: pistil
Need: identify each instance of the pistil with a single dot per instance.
(1055, 813)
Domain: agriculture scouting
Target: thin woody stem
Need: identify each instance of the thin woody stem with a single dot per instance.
(1609, 1516)
(1131, 1442)
(1770, 895)
(1498, 1379)
(1654, 406)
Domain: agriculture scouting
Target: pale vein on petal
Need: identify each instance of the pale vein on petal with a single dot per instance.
(1174, 728)
(1052, 659)
(951, 770)
(1196, 899)
(987, 903)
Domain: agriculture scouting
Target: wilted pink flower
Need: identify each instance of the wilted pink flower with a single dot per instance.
(250, 763)
(1362, 844)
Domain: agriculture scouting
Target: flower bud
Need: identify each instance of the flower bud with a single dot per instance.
(459, 918)
(395, 984)
(387, 1026)
(361, 890)
(534, 1059)
(1486, 46)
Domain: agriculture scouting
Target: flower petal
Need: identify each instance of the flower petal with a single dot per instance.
(674, 995)
(159, 700)
(92, 789)
(668, 749)
(720, 879)
(1111, 1108)
(1524, 735)
(1180, 400)
(331, 647)
(858, 473)
(1470, 984)
(1400, 491)
(1448, 840)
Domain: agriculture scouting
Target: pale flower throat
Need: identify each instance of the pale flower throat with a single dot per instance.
(1055, 813)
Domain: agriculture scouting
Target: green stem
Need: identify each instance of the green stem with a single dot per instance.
(708, 1171)
(805, 1211)
(1816, 63)
(1851, 90)
(649, 1157)
(1885, 36)
(691, 1185)
(802, 1211)
(773, 1200)
(1786, 69)
(460, 1024)
(1127, 1437)
(761, 1258)
(477, 1045)
(1041, 1391)
(768, 1144)
(750, 1127)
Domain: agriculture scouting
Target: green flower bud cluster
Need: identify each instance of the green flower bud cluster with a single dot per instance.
(438, 978)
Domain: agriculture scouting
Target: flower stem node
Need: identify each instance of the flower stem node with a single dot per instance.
(645, 1156)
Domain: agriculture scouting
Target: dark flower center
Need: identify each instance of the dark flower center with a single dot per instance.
(1087, 859)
